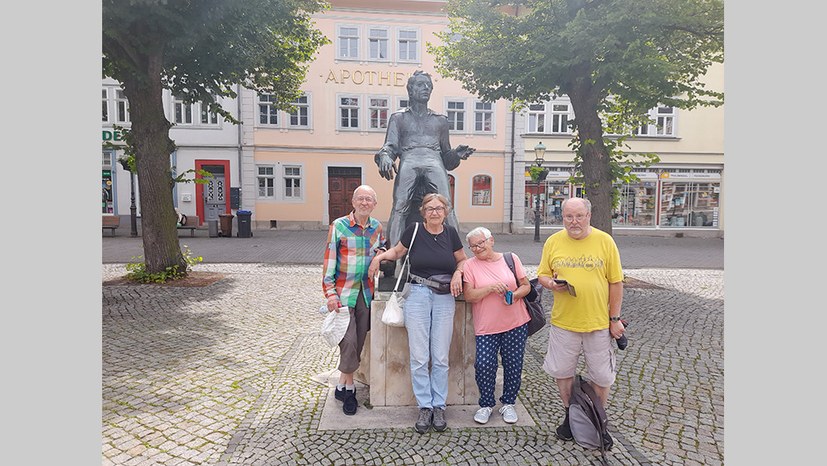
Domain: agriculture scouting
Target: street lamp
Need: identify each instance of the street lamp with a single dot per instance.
(133, 211)
(539, 155)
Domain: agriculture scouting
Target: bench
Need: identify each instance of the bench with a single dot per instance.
(191, 228)
(111, 222)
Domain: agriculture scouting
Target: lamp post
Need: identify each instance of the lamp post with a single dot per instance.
(133, 210)
(539, 155)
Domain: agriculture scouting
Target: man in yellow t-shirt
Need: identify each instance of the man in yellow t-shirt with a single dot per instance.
(586, 311)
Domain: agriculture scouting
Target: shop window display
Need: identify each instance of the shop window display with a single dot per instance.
(637, 205)
(107, 193)
(689, 204)
(552, 194)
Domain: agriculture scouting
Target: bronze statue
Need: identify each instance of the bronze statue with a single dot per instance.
(418, 137)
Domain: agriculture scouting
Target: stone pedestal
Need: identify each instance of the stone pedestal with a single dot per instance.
(385, 365)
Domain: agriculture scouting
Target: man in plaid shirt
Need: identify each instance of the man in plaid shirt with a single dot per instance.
(352, 242)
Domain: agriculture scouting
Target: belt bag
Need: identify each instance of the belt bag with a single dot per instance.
(440, 283)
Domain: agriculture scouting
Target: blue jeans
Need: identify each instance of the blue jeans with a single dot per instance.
(429, 319)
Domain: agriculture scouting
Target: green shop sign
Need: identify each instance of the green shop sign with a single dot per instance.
(112, 135)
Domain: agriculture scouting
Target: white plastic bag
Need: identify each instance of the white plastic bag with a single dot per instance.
(334, 326)
(394, 315)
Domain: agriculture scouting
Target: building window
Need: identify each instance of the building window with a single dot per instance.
(182, 111)
(107, 194)
(121, 107)
(378, 44)
(349, 112)
(207, 117)
(483, 117)
(456, 115)
(536, 118)
(105, 101)
(267, 112)
(559, 117)
(481, 194)
(408, 42)
(348, 42)
(185, 113)
(300, 117)
(292, 182)
(665, 121)
(685, 204)
(266, 182)
(636, 206)
(379, 110)
(402, 104)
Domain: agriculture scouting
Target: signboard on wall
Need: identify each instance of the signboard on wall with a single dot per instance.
(235, 198)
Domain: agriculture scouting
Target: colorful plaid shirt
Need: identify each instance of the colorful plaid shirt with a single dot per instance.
(350, 248)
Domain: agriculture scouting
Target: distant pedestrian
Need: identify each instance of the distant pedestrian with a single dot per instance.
(352, 241)
(437, 254)
(500, 322)
(585, 315)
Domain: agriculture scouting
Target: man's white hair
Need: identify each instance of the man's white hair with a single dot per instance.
(367, 188)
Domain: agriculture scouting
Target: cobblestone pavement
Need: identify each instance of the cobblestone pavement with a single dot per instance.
(227, 375)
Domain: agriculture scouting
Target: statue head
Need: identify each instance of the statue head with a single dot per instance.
(419, 76)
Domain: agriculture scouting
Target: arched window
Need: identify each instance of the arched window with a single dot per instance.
(481, 194)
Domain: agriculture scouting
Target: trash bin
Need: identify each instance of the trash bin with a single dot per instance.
(244, 223)
(212, 225)
(226, 225)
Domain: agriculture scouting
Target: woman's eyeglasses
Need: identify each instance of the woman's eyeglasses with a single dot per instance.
(479, 245)
(430, 210)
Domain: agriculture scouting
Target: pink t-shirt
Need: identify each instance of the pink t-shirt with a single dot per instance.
(492, 314)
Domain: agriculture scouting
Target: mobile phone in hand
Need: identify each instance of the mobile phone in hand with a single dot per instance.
(509, 297)
(569, 286)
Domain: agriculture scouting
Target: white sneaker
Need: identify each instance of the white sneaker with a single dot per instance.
(509, 414)
(483, 414)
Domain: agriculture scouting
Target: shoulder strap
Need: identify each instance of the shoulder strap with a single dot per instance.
(416, 228)
(407, 256)
(509, 260)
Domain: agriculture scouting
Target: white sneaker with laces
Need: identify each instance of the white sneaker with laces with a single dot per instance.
(483, 414)
(509, 414)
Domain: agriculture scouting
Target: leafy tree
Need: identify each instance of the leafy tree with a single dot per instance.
(615, 60)
(200, 50)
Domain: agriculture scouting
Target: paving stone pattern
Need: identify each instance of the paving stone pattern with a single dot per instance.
(227, 375)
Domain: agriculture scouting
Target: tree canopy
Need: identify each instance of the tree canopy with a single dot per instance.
(199, 50)
(610, 57)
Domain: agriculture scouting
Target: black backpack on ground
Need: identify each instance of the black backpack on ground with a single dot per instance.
(587, 418)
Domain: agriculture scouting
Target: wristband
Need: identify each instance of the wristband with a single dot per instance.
(614, 319)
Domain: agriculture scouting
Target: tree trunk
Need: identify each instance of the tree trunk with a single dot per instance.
(596, 168)
(152, 145)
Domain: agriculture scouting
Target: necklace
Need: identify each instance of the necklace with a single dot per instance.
(435, 235)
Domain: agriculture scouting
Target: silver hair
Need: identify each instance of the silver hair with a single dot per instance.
(485, 232)
(367, 188)
(586, 203)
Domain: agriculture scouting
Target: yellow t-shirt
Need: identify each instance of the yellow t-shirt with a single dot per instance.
(589, 264)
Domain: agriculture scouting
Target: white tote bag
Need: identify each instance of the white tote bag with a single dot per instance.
(394, 314)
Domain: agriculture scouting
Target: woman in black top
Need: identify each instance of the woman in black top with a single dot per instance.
(429, 314)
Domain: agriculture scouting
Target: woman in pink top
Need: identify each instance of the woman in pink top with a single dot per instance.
(500, 322)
